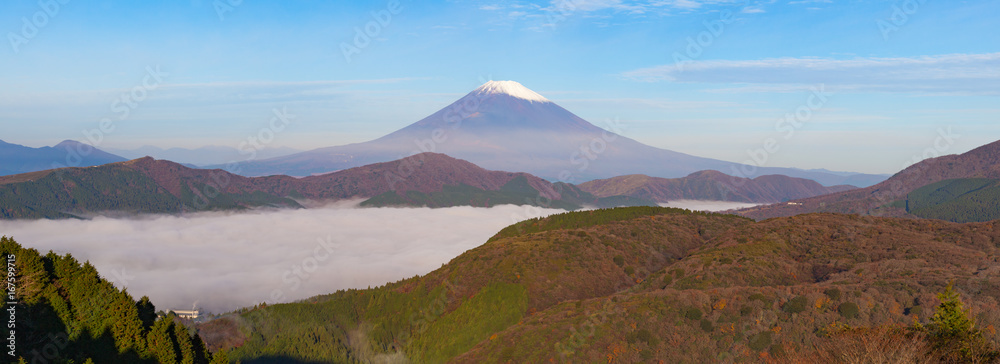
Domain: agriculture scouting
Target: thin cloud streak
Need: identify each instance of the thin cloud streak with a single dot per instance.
(950, 73)
(213, 92)
(225, 261)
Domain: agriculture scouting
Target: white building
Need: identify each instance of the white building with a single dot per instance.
(188, 314)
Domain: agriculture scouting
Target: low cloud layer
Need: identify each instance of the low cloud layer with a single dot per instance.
(221, 262)
(699, 205)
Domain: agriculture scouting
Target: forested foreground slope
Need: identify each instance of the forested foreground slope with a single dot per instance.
(66, 313)
(640, 285)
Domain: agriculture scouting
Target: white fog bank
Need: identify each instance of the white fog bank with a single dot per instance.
(223, 261)
(712, 206)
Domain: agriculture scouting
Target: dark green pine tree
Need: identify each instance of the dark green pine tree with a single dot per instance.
(185, 344)
(220, 357)
(85, 295)
(126, 327)
(950, 321)
(954, 334)
(160, 341)
(147, 313)
(201, 354)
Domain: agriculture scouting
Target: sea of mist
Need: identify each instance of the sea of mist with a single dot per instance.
(223, 261)
(703, 205)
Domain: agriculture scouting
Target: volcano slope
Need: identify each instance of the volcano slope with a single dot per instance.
(640, 284)
(503, 125)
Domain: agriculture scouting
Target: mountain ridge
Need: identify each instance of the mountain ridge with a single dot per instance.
(201, 156)
(710, 185)
(981, 162)
(17, 159)
(147, 185)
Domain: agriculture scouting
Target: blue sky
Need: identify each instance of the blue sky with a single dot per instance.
(709, 78)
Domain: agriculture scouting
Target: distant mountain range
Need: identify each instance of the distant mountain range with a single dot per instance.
(147, 185)
(16, 158)
(953, 187)
(710, 185)
(503, 125)
(203, 156)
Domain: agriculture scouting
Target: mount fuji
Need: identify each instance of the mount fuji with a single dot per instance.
(503, 125)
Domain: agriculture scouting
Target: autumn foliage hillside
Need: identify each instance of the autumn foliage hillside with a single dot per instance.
(645, 284)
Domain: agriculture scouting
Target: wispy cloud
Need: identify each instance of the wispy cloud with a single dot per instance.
(593, 5)
(565, 8)
(951, 73)
(247, 91)
(690, 4)
(648, 103)
(301, 83)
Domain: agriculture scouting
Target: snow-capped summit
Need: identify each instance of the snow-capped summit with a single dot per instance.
(511, 88)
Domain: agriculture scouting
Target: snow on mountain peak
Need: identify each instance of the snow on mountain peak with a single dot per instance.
(510, 88)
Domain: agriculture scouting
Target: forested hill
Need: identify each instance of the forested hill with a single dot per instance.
(711, 185)
(650, 285)
(147, 185)
(66, 313)
(138, 186)
(958, 200)
(889, 197)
